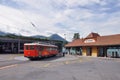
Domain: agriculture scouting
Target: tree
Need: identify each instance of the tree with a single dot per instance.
(76, 36)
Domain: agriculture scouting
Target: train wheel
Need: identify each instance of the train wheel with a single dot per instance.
(32, 59)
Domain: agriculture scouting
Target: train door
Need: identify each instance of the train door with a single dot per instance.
(40, 50)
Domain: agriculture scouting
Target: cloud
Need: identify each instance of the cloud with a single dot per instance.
(12, 20)
(60, 16)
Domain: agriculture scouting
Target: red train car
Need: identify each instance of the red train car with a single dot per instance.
(38, 50)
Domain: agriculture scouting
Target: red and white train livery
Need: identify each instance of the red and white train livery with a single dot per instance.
(38, 50)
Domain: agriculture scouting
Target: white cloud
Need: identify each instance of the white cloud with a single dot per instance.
(13, 20)
(57, 16)
(81, 2)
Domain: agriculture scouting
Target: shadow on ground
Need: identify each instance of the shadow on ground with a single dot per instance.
(47, 58)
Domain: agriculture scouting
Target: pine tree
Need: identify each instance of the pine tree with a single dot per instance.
(76, 36)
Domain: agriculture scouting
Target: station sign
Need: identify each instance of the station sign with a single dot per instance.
(89, 41)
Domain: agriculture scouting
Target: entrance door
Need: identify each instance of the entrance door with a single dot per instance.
(89, 51)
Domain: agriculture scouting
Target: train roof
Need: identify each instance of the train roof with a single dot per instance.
(41, 44)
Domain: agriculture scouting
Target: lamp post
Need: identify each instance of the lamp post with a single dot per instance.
(65, 36)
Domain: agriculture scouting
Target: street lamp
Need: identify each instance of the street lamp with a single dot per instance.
(65, 36)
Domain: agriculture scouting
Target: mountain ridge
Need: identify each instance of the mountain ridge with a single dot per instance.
(52, 37)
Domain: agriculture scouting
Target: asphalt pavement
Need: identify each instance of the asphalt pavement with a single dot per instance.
(69, 67)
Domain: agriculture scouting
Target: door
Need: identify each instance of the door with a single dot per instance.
(39, 50)
(89, 51)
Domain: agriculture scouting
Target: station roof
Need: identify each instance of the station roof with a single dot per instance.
(94, 39)
(14, 40)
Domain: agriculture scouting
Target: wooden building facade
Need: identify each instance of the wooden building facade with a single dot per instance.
(96, 45)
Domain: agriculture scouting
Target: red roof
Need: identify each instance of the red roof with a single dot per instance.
(92, 35)
(96, 40)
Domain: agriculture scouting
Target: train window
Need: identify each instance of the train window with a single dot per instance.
(41, 48)
(31, 47)
(48, 48)
(37, 47)
(52, 48)
(26, 47)
(55, 48)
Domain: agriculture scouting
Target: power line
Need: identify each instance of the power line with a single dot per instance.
(12, 19)
(29, 20)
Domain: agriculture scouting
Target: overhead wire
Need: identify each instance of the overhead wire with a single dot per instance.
(29, 20)
(24, 15)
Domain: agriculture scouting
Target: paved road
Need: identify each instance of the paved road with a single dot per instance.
(64, 68)
(11, 59)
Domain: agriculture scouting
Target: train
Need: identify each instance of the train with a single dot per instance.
(39, 50)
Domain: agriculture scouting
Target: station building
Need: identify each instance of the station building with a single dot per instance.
(96, 45)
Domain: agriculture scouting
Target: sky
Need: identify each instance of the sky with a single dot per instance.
(64, 17)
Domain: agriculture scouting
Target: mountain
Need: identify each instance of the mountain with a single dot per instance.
(52, 37)
(2, 33)
(57, 37)
(39, 36)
